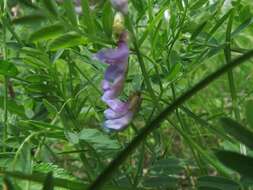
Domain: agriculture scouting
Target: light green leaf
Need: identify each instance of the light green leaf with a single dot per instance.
(68, 40)
(8, 69)
(46, 33)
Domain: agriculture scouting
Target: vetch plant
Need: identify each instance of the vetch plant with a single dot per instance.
(53, 102)
(120, 113)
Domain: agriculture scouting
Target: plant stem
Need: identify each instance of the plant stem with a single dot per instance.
(125, 153)
(6, 81)
(227, 52)
(142, 65)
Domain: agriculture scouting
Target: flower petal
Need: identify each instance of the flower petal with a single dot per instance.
(120, 5)
(110, 114)
(120, 123)
(118, 106)
(113, 56)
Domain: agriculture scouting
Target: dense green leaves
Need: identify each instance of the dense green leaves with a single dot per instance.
(52, 112)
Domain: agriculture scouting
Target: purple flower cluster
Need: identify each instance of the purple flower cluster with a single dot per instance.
(120, 113)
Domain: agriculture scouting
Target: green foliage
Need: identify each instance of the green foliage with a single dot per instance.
(182, 137)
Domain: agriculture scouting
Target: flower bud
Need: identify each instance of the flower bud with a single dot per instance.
(118, 24)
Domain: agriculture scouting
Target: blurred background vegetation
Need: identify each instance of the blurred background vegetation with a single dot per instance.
(51, 111)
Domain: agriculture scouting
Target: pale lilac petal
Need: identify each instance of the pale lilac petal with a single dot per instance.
(112, 90)
(118, 106)
(110, 114)
(106, 85)
(120, 123)
(115, 71)
(113, 56)
(120, 5)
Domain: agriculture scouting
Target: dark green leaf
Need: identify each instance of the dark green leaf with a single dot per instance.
(239, 132)
(51, 6)
(249, 112)
(58, 182)
(30, 19)
(216, 182)
(49, 182)
(160, 181)
(240, 163)
(8, 184)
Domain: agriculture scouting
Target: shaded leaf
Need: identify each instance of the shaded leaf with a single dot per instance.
(240, 163)
(51, 6)
(49, 182)
(239, 132)
(160, 181)
(30, 19)
(8, 184)
(249, 112)
(217, 182)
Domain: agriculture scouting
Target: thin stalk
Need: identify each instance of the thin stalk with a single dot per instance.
(6, 81)
(227, 52)
(199, 149)
(87, 78)
(231, 80)
(142, 65)
(156, 123)
(182, 125)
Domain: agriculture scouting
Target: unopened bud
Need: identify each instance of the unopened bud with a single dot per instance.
(118, 24)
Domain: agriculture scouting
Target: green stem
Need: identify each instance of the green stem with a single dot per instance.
(6, 81)
(124, 154)
(142, 65)
(227, 52)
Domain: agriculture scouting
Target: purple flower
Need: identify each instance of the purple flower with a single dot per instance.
(120, 5)
(119, 114)
(114, 77)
